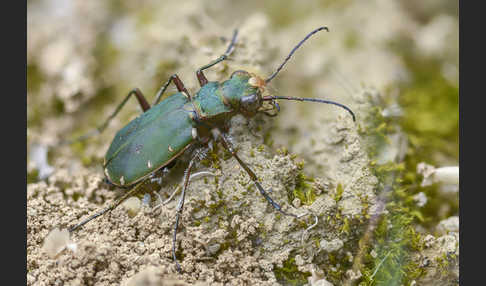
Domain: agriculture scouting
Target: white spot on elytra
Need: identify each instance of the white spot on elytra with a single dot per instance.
(107, 174)
(194, 133)
(122, 180)
(149, 164)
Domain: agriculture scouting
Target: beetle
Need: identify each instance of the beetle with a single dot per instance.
(168, 128)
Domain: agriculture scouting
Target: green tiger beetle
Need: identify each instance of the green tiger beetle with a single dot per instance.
(167, 128)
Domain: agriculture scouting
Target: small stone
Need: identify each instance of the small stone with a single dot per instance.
(421, 199)
(322, 282)
(448, 225)
(296, 202)
(55, 242)
(373, 253)
(429, 240)
(353, 276)
(446, 175)
(132, 205)
(146, 200)
(331, 246)
(299, 261)
(214, 248)
(448, 244)
(350, 257)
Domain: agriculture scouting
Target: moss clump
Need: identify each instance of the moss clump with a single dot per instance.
(431, 121)
(339, 193)
(289, 274)
(304, 191)
(394, 238)
(431, 105)
(212, 159)
(33, 176)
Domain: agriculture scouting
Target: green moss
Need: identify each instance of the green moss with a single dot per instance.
(33, 176)
(304, 191)
(345, 228)
(443, 264)
(289, 274)
(365, 207)
(339, 193)
(394, 238)
(260, 148)
(431, 121)
(431, 105)
(282, 151)
(300, 165)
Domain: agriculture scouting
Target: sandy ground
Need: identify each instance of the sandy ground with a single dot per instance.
(87, 55)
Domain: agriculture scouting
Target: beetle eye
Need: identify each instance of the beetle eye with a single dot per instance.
(250, 102)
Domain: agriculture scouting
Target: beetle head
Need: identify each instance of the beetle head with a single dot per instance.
(244, 92)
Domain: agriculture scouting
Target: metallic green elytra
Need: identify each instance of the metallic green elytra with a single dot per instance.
(168, 128)
(143, 145)
(163, 132)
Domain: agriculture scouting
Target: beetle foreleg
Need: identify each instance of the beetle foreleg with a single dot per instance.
(199, 73)
(178, 83)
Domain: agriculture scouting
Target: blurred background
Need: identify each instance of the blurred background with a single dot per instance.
(396, 63)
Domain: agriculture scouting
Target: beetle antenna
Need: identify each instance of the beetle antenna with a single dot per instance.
(313, 100)
(293, 51)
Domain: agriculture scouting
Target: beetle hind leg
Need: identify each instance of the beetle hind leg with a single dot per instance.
(180, 206)
(141, 100)
(109, 208)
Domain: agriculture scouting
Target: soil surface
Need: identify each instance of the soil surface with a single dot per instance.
(84, 57)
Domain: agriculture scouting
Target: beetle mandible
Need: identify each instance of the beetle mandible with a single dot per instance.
(183, 121)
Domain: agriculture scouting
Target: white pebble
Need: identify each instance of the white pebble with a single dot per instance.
(132, 205)
(331, 246)
(55, 242)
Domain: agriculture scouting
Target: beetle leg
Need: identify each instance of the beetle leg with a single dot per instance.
(180, 207)
(109, 208)
(141, 100)
(253, 177)
(227, 145)
(199, 73)
(178, 83)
